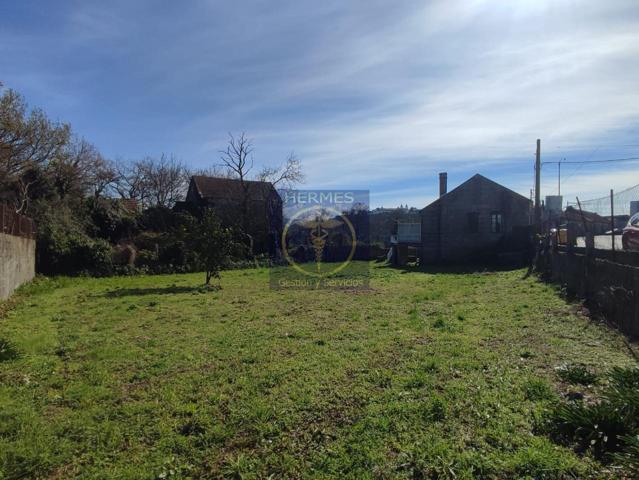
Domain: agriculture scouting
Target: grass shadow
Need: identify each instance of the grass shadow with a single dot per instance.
(454, 269)
(172, 290)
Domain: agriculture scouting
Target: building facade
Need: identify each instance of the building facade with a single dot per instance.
(254, 207)
(474, 222)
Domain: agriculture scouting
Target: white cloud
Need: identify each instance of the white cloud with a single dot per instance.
(369, 93)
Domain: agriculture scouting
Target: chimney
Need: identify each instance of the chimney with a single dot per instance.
(443, 184)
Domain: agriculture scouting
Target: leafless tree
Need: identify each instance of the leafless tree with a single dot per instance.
(153, 181)
(82, 170)
(217, 171)
(287, 175)
(237, 160)
(104, 175)
(166, 178)
(131, 182)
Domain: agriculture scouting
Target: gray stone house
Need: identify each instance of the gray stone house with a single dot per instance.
(474, 222)
(253, 206)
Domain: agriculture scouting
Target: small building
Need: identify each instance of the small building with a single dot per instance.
(253, 206)
(580, 221)
(476, 221)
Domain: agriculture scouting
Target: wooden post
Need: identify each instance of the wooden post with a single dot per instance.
(612, 222)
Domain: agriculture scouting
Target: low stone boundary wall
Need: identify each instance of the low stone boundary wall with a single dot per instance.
(608, 287)
(17, 262)
(17, 250)
(625, 257)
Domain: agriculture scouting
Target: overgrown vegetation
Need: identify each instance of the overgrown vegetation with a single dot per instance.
(607, 427)
(99, 217)
(152, 377)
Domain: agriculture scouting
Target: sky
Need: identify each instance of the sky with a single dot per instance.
(369, 94)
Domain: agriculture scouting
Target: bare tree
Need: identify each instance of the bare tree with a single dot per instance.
(286, 175)
(166, 179)
(237, 157)
(216, 171)
(153, 181)
(238, 160)
(82, 170)
(104, 175)
(131, 182)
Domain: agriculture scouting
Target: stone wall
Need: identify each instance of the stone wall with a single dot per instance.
(17, 262)
(609, 288)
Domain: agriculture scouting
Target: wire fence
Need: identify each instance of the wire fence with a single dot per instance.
(598, 223)
(623, 203)
(12, 223)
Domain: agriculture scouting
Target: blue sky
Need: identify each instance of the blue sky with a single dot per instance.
(371, 94)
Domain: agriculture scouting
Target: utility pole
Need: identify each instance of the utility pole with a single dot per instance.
(559, 177)
(537, 187)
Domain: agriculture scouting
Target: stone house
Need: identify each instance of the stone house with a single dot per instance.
(474, 222)
(253, 206)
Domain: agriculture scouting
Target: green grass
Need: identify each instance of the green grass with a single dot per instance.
(424, 376)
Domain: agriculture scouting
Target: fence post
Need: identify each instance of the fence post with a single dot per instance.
(589, 244)
(612, 223)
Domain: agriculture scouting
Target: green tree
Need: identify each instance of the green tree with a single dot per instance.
(213, 244)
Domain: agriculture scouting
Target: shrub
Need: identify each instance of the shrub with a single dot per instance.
(537, 389)
(610, 427)
(163, 219)
(598, 427)
(213, 245)
(577, 374)
(63, 246)
(109, 219)
(629, 457)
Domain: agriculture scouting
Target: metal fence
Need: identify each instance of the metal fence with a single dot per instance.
(13, 223)
(624, 202)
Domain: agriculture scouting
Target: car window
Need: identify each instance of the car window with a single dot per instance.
(634, 220)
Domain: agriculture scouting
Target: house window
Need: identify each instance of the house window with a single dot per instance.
(496, 224)
(472, 222)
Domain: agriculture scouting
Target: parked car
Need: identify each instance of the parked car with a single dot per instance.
(630, 236)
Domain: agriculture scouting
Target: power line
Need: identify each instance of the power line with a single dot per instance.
(581, 162)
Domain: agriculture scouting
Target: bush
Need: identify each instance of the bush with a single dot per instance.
(163, 219)
(109, 220)
(608, 428)
(577, 374)
(213, 245)
(538, 389)
(63, 246)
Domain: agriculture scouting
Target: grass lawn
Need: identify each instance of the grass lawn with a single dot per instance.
(428, 375)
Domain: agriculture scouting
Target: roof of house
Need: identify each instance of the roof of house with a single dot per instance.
(475, 178)
(215, 187)
(129, 204)
(571, 213)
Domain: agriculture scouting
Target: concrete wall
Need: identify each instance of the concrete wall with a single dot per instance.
(609, 288)
(17, 262)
